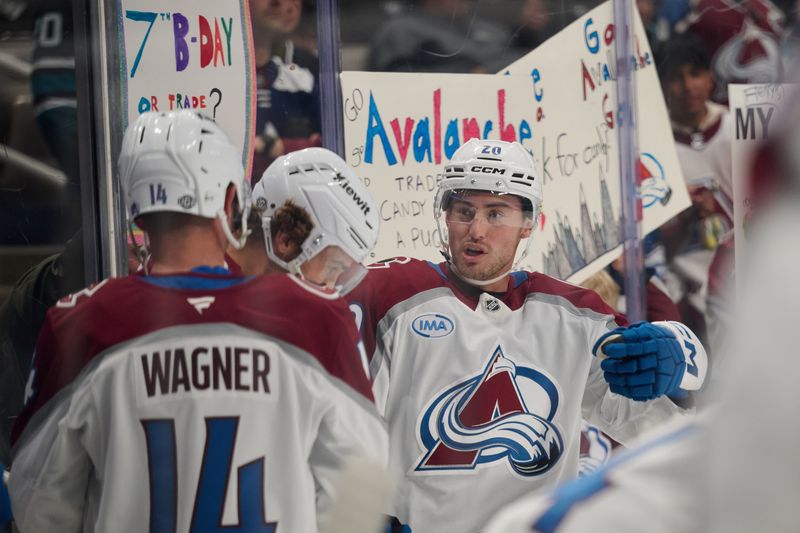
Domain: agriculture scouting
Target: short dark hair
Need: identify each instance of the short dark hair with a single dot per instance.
(684, 49)
(169, 221)
(293, 220)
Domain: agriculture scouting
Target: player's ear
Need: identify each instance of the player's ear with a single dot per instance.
(285, 246)
(526, 229)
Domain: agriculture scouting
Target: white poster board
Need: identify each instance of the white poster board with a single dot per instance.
(190, 54)
(756, 112)
(559, 102)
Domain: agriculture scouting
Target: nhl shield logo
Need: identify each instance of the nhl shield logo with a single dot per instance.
(486, 419)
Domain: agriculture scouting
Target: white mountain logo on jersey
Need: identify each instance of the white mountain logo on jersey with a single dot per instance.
(71, 300)
(202, 303)
(485, 419)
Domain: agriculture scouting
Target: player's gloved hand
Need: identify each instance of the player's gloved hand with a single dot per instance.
(647, 360)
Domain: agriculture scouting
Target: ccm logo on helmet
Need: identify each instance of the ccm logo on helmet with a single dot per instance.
(488, 170)
(345, 184)
(433, 325)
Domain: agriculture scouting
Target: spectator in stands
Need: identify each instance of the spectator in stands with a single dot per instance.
(55, 97)
(440, 36)
(742, 38)
(537, 25)
(287, 94)
(702, 140)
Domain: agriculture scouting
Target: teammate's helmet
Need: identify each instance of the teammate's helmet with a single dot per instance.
(498, 167)
(182, 162)
(341, 208)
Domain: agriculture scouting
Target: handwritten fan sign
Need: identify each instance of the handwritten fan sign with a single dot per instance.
(189, 54)
(559, 102)
(758, 111)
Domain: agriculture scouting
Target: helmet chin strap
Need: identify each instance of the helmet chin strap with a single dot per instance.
(237, 243)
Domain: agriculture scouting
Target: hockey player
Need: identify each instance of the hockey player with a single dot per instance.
(483, 374)
(313, 218)
(735, 469)
(189, 399)
(657, 486)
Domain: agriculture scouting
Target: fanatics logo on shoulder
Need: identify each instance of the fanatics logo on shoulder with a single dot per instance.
(202, 303)
(505, 414)
(433, 325)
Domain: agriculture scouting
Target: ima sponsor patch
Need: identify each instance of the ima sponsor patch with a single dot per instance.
(433, 325)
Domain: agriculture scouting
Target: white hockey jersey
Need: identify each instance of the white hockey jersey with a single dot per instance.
(657, 487)
(705, 155)
(483, 394)
(191, 403)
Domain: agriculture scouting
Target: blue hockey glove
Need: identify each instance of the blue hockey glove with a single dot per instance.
(648, 360)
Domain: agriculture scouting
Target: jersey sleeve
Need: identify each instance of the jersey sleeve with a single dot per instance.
(51, 468)
(62, 350)
(350, 429)
(659, 305)
(365, 307)
(621, 418)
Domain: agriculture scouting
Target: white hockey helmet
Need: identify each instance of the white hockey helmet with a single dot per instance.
(498, 167)
(182, 162)
(340, 206)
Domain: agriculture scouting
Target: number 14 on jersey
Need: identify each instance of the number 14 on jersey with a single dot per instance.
(212, 486)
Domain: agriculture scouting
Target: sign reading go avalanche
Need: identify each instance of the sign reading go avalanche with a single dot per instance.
(190, 54)
(559, 102)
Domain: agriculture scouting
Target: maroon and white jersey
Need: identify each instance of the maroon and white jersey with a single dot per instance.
(484, 393)
(168, 403)
(705, 154)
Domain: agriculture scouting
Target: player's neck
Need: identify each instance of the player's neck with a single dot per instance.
(252, 258)
(185, 252)
(470, 286)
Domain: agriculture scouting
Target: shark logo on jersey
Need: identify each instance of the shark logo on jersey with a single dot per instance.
(503, 414)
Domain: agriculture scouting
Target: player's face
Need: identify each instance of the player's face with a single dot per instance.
(484, 231)
(328, 268)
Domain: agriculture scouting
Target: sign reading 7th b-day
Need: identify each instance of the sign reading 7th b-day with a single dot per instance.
(559, 102)
(189, 54)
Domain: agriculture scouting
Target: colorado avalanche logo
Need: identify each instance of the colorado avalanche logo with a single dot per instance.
(485, 419)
